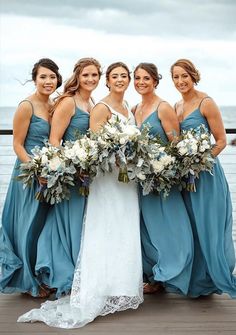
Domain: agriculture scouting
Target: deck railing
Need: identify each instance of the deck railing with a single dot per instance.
(10, 131)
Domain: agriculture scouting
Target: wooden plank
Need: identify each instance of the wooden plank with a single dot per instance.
(160, 314)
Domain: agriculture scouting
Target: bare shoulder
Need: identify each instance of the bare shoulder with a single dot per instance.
(208, 106)
(65, 106)
(68, 102)
(24, 109)
(100, 108)
(165, 108)
(165, 104)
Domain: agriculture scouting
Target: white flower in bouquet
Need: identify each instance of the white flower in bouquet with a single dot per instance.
(54, 164)
(140, 162)
(116, 141)
(153, 162)
(44, 159)
(182, 150)
(123, 140)
(109, 129)
(204, 136)
(188, 146)
(50, 163)
(83, 153)
(141, 176)
(69, 153)
(204, 146)
(161, 175)
(102, 142)
(194, 155)
(157, 166)
(167, 159)
(130, 130)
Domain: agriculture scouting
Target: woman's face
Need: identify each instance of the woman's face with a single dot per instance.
(182, 80)
(46, 81)
(89, 78)
(143, 82)
(118, 80)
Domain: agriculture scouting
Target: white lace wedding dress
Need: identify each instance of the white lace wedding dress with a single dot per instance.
(108, 274)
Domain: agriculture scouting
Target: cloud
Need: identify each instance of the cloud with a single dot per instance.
(131, 31)
(198, 19)
(66, 44)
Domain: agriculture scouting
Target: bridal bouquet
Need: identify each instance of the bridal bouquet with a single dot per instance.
(117, 143)
(193, 152)
(83, 154)
(51, 164)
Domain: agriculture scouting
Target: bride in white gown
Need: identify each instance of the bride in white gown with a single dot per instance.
(108, 274)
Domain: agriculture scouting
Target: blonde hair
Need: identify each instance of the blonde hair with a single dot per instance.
(72, 84)
(189, 67)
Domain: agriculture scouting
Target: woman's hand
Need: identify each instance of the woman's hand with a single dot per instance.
(42, 181)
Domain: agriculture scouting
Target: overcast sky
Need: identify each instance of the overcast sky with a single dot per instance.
(110, 30)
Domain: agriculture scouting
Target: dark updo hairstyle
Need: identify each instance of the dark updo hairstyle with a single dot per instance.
(49, 64)
(188, 66)
(152, 70)
(115, 65)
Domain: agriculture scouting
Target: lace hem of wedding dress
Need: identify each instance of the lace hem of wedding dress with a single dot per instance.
(63, 313)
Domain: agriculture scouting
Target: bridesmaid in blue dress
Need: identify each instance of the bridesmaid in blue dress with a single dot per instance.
(23, 216)
(59, 243)
(210, 207)
(167, 244)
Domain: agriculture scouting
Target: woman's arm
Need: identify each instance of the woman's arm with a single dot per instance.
(211, 112)
(169, 121)
(99, 115)
(21, 124)
(61, 119)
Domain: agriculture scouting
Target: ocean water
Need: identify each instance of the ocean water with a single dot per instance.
(228, 113)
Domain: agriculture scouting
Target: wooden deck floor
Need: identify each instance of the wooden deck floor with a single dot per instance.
(160, 314)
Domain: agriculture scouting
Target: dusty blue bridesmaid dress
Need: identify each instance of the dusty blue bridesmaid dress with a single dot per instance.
(59, 242)
(210, 211)
(23, 218)
(166, 236)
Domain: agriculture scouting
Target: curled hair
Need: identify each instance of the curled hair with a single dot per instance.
(72, 84)
(152, 70)
(49, 64)
(115, 65)
(189, 67)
